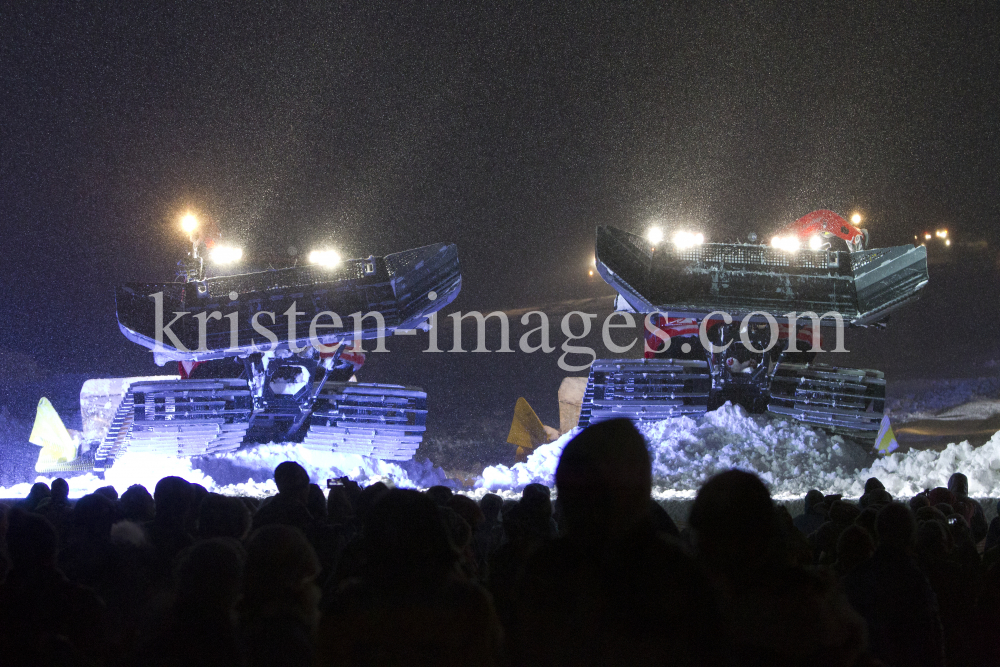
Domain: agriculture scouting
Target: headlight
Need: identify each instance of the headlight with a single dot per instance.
(327, 258)
(685, 240)
(225, 254)
(189, 223)
(815, 242)
(786, 243)
(655, 235)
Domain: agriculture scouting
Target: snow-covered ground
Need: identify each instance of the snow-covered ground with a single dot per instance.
(790, 457)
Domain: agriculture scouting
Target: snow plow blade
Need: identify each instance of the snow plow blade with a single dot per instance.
(740, 278)
(403, 287)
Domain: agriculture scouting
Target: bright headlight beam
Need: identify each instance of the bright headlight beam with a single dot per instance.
(684, 240)
(328, 258)
(189, 222)
(815, 242)
(655, 235)
(785, 243)
(856, 219)
(225, 254)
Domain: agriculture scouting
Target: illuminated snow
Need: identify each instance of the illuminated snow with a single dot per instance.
(790, 457)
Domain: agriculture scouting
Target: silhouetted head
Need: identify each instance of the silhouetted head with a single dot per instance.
(918, 501)
(959, 485)
(468, 509)
(137, 504)
(604, 479)
(843, 513)
(735, 527)
(459, 530)
(280, 570)
(407, 542)
(108, 492)
(872, 484)
(941, 495)
(173, 497)
(368, 498)
(875, 498)
(32, 542)
(60, 490)
(854, 546)
(536, 491)
(928, 513)
(532, 519)
(338, 505)
(208, 577)
(221, 516)
(896, 526)
(316, 502)
(39, 491)
(812, 499)
(490, 504)
(933, 540)
(440, 494)
(96, 513)
(291, 479)
(867, 519)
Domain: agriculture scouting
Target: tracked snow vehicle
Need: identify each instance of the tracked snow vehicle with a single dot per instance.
(267, 356)
(736, 322)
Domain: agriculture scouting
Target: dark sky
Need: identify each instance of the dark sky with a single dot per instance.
(509, 129)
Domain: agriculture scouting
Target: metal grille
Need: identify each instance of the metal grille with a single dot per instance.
(285, 279)
(865, 257)
(756, 255)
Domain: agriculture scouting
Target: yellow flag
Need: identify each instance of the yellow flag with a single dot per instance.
(885, 441)
(526, 429)
(49, 433)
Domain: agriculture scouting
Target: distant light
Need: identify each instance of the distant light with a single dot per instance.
(225, 254)
(655, 235)
(947, 241)
(685, 240)
(815, 242)
(856, 219)
(927, 236)
(786, 243)
(591, 272)
(189, 223)
(941, 233)
(328, 258)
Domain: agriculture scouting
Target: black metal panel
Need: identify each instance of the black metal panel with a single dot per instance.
(741, 278)
(396, 286)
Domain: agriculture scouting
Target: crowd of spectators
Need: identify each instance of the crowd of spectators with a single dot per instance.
(601, 576)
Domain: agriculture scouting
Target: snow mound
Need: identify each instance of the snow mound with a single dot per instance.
(790, 457)
(248, 472)
(910, 473)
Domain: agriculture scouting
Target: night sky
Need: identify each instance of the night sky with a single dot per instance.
(509, 129)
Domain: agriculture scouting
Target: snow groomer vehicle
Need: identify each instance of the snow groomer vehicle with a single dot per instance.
(742, 322)
(265, 356)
